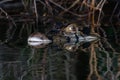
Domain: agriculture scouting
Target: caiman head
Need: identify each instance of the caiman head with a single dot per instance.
(69, 34)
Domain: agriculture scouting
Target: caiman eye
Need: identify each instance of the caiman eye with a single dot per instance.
(70, 28)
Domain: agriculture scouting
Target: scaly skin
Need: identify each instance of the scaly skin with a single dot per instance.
(69, 34)
(72, 34)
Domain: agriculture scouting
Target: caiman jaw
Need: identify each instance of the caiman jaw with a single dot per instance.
(90, 38)
(83, 39)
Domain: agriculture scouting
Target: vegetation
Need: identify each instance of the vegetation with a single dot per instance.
(19, 18)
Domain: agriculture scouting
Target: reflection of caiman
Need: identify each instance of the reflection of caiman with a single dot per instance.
(69, 34)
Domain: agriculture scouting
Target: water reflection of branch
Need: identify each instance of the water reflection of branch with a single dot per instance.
(106, 43)
(115, 32)
(31, 6)
(94, 6)
(12, 23)
(78, 15)
(32, 55)
(35, 69)
(27, 27)
(43, 65)
(108, 74)
(118, 69)
(93, 64)
(74, 3)
(67, 67)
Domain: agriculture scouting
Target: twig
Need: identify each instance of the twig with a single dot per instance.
(49, 6)
(99, 7)
(93, 64)
(78, 15)
(114, 11)
(4, 1)
(74, 3)
(11, 19)
(36, 13)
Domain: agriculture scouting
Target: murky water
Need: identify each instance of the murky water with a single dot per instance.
(64, 58)
(98, 60)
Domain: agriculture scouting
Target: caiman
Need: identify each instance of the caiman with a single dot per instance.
(69, 34)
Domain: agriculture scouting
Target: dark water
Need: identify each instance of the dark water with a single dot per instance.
(97, 60)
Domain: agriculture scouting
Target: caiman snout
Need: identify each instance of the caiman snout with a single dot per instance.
(70, 34)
